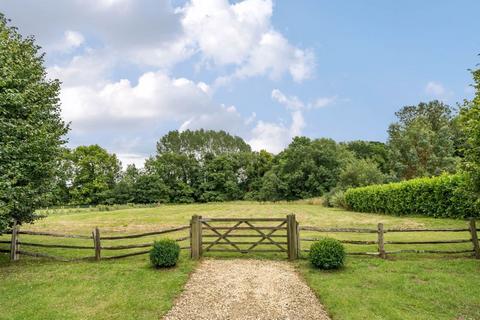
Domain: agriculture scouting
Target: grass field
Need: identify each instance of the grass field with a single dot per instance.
(406, 286)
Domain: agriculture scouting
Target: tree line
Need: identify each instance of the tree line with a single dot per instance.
(205, 166)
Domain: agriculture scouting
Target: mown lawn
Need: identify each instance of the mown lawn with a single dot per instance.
(402, 287)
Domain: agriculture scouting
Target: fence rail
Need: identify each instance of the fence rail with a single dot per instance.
(381, 242)
(226, 237)
(96, 247)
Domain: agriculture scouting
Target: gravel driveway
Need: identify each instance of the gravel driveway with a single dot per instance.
(246, 289)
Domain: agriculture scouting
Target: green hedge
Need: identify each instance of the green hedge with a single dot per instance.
(445, 196)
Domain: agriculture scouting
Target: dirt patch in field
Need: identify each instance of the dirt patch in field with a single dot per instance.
(246, 289)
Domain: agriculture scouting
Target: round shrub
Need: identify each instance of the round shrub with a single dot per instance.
(327, 254)
(164, 253)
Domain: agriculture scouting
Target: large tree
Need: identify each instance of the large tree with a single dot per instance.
(94, 173)
(470, 124)
(421, 141)
(200, 143)
(31, 128)
(306, 168)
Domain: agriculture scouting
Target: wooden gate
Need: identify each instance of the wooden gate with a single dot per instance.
(244, 235)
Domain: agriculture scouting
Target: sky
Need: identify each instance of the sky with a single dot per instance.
(265, 70)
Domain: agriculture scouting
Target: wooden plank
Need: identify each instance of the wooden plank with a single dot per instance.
(360, 242)
(130, 246)
(428, 230)
(61, 246)
(265, 236)
(243, 242)
(246, 251)
(43, 255)
(356, 230)
(5, 241)
(244, 236)
(354, 253)
(474, 236)
(127, 255)
(429, 242)
(249, 228)
(132, 236)
(381, 245)
(49, 234)
(4, 251)
(222, 235)
(242, 219)
(430, 251)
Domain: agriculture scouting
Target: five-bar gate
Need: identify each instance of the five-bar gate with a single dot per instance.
(244, 235)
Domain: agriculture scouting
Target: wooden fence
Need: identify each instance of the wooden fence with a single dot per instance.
(253, 229)
(279, 235)
(96, 248)
(381, 242)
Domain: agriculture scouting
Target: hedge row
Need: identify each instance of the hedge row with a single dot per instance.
(445, 196)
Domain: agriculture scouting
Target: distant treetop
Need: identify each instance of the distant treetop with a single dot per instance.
(200, 143)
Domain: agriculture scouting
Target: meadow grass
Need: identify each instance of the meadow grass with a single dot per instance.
(406, 286)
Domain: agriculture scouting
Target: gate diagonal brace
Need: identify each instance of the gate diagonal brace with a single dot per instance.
(223, 236)
(265, 236)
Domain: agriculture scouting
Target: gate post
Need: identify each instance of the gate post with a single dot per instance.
(195, 237)
(292, 237)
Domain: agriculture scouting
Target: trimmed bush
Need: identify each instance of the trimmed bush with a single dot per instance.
(327, 254)
(445, 196)
(164, 253)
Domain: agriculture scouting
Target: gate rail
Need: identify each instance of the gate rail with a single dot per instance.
(223, 235)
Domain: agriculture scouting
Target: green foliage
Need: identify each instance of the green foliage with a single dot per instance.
(31, 128)
(164, 253)
(305, 169)
(200, 143)
(94, 173)
(359, 173)
(421, 141)
(335, 198)
(375, 151)
(443, 196)
(470, 124)
(327, 253)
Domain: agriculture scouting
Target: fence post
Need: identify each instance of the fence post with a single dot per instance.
(473, 233)
(97, 243)
(14, 255)
(292, 237)
(381, 244)
(196, 237)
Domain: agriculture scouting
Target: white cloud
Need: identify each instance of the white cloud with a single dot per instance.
(435, 89)
(70, 40)
(323, 102)
(241, 34)
(274, 137)
(291, 102)
(131, 158)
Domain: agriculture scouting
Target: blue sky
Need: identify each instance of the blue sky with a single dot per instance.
(264, 70)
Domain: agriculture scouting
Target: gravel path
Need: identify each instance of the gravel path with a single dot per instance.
(246, 289)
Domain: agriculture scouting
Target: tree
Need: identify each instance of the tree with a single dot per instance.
(95, 172)
(308, 168)
(257, 164)
(221, 179)
(179, 172)
(31, 128)
(421, 141)
(201, 142)
(374, 150)
(470, 124)
(359, 173)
